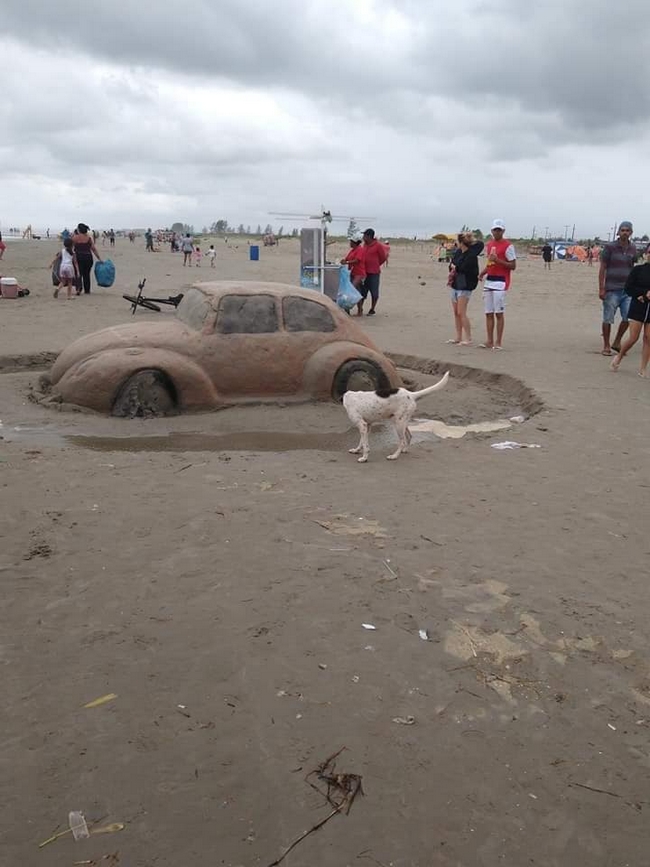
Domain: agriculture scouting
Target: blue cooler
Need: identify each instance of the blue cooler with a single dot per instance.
(254, 254)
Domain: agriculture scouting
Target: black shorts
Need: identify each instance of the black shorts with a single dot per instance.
(639, 311)
(370, 285)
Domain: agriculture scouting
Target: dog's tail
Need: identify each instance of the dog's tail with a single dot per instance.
(424, 391)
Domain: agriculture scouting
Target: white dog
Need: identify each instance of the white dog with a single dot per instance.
(366, 407)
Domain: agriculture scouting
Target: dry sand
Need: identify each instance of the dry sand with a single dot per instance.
(235, 583)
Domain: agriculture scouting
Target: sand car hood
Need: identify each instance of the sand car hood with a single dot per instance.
(172, 335)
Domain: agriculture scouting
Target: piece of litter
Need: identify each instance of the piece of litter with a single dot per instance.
(280, 693)
(54, 837)
(109, 829)
(355, 678)
(298, 716)
(368, 626)
(182, 706)
(424, 634)
(508, 444)
(102, 700)
(78, 825)
(530, 795)
(322, 666)
(404, 720)
(518, 419)
(368, 647)
(613, 728)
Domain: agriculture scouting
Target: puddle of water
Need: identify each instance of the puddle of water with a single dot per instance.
(455, 432)
(244, 441)
(382, 437)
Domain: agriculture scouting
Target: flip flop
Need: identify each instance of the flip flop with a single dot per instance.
(616, 349)
(498, 348)
(606, 352)
(456, 342)
(484, 346)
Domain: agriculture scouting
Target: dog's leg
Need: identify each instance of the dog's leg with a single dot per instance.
(357, 449)
(364, 444)
(401, 428)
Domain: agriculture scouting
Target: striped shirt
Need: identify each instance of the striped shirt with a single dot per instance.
(618, 261)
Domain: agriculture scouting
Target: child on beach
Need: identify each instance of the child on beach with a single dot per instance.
(198, 255)
(68, 270)
(212, 255)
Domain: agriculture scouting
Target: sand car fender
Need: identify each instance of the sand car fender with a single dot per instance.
(96, 381)
(321, 369)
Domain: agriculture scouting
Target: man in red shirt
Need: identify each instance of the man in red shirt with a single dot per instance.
(375, 256)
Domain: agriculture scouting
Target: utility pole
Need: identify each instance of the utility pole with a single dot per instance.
(532, 237)
(566, 232)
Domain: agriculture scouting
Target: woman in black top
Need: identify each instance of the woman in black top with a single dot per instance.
(84, 248)
(463, 279)
(638, 288)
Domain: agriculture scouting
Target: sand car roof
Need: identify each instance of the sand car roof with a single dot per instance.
(217, 289)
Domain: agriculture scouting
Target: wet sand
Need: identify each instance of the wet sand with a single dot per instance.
(235, 583)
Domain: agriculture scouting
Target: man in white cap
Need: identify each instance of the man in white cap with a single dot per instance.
(616, 261)
(501, 262)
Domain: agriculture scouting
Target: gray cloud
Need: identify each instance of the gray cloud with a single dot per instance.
(403, 109)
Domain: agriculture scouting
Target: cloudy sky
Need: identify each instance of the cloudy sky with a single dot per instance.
(420, 114)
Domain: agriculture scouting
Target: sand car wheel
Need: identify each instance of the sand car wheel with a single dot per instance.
(358, 375)
(145, 394)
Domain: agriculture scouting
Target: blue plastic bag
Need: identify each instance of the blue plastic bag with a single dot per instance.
(105, 273)
(347, 295)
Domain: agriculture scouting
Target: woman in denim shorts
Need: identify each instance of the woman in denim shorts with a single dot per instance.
(463, 279)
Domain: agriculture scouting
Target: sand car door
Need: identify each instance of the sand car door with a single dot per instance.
(249, 350)
(309, 325)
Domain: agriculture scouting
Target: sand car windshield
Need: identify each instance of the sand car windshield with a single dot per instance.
(193, 309)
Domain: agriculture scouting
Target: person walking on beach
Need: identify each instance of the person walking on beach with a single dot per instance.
(188, 248)
(501, 262)
(198, 255)
(148, 239)
(354, 259)
(84, 248)
(111, 237)
(547, 255)
(211, 254)
(463, 280)
(3, 246)
(68, 269)
(374, 257)
(616, 261)
(637, 288)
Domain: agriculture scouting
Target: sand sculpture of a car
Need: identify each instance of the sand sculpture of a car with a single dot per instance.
(228, 343)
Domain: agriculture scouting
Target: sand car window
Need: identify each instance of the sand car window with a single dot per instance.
(193, 309)
(247, 314)
(301, 314)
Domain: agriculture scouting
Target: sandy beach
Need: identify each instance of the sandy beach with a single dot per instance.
(216, 580)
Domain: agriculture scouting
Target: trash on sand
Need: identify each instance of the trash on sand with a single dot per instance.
(322, 666)
(518, 419)
(343, 525)
(424, 634)
(109, 829)
(404, 720)
(78, 825)
(54, 837)
(368, 626)
(102, 700)
(613, 728)
(512, 445)
(341, 791)
(355, 678)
